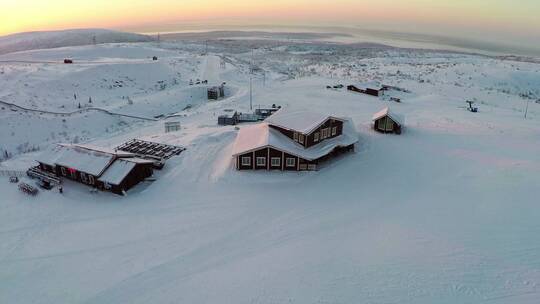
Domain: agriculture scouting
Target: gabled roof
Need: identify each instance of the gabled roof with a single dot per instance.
(302, 121)
(397, 118)
(121, 167)
(88, 159)
(116, 173)
(255, 137)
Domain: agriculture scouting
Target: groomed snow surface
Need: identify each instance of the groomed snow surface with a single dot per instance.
(447, 212)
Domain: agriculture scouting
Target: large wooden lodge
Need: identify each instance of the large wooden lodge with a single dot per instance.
(104, 169)
(293, 141)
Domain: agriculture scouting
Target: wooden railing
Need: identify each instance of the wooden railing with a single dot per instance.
(10, 173)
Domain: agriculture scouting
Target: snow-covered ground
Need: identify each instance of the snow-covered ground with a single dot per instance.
(54, 39)
(445, 213)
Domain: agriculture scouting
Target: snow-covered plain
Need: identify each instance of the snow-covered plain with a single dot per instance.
(445, 213)
(54, 39)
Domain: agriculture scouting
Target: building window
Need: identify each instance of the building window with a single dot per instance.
(324, 133)
(295, 136)
(246, 161)
(261, 161)
(276, 162)
(334, 131)
(90, 180)
(316, 137)
(63, 170)
(83, 178)
(301, 138)
(291, 162)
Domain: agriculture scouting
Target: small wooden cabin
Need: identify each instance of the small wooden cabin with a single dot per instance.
(124, 174)
(368, 91)
(216, 92)
(386, 121)
(372, 92)
(172, 126)
(228, 119)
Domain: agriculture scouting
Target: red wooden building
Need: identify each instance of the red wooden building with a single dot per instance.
(293, 141)
(104, 169)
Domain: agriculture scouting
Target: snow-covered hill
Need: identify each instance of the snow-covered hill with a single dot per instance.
(54, 39)
(445, 213)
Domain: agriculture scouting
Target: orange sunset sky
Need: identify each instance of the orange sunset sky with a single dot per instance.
(498, 18)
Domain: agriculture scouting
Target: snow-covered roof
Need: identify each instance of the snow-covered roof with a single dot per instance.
(254, 137)
(368, 84)
(116, 173)
(103, 149)
(139, 160)
(88, 159)
(398, 118)
(303, 121)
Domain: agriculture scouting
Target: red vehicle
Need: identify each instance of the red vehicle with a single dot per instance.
(26, 188)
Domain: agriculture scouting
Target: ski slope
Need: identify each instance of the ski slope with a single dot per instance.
(445, 213)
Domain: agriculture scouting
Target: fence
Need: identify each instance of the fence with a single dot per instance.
(9, 173)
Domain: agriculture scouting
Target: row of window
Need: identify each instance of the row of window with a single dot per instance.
(274, 161)
(325, 133)
(87, 179)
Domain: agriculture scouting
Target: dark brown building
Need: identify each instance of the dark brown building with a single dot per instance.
(386, 121)
(104, 169)
(293, 141)
(368, 91)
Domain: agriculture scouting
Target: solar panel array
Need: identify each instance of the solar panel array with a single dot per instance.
(151, 149)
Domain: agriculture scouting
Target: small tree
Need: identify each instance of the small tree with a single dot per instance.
(79, 105)
(89, 99)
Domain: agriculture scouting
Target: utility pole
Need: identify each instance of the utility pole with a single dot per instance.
(251, 83)
(251, 63)
(527, 108)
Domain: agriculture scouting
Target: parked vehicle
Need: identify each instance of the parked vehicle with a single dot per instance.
(26, 188)
(45, 185)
